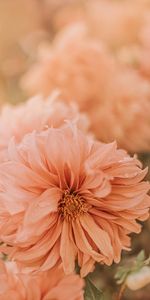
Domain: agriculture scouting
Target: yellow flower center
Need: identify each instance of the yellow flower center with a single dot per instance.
(71, 206)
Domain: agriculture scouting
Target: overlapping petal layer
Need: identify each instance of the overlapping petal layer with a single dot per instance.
(51, 285)
(36, 114)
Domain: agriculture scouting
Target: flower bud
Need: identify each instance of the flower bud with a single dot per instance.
(139, 279)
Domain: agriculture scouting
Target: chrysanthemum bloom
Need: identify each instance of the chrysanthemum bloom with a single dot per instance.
(36, 114)
(69, 198)
(51, 285)
(111, 94)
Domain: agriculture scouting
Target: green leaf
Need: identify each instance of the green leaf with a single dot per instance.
(147, 261)
(132, 267)
(92, 292)
(141, 256)
(140, 261)
(122, 274)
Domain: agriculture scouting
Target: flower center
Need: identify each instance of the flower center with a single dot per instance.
(71, 206)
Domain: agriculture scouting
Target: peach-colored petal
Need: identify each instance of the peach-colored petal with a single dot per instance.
(36, 114)
(40, 286)
(67, 249)
(101, 239)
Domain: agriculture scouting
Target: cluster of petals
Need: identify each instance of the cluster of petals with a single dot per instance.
(36, 114)
(72, 64)
(80, 205)
(51, 285)
(116, 98)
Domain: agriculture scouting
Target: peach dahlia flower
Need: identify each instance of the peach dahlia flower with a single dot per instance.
(36, 114)
(69, 198)
(77, 64)
(51, 285)
(116, 99)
